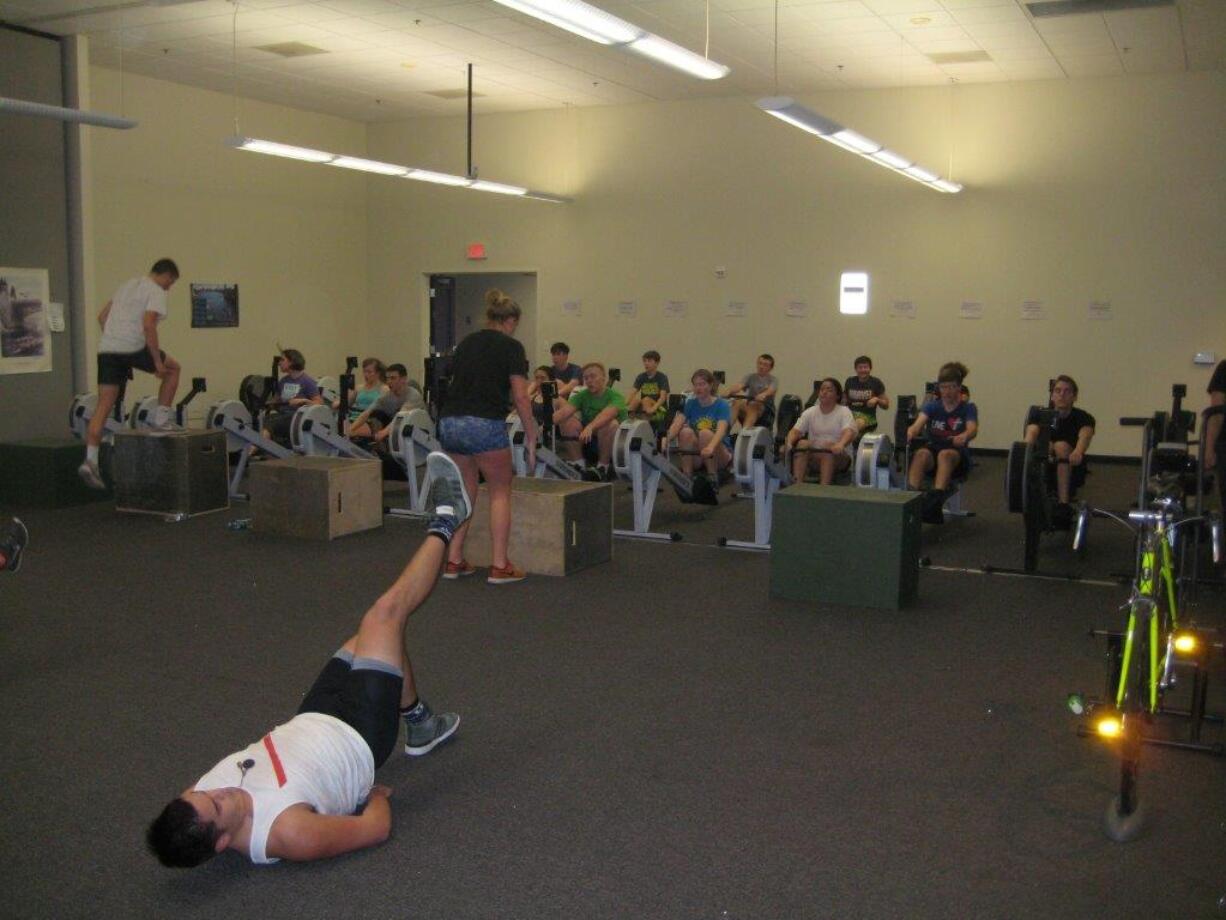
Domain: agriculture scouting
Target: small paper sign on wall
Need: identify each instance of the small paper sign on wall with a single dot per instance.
(797, 308)
(627, 308)
(25, 336)
(676, 309)
(572, 308)
(902, 309)
(971, 309)
(736, 308)
(1100, 309)
(1033, 309)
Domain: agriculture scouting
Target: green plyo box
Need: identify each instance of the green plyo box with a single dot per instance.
(841, 545)
(42, 473)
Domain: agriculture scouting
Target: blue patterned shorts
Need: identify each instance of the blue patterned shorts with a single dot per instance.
(469, 434)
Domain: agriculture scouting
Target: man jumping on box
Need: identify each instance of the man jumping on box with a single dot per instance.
(130, 340)
(306, 790)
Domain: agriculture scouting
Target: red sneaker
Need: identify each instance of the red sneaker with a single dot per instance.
(459, 569)
(506, 576)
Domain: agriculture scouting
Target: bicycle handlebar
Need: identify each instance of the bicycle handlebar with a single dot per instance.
(1133, 422)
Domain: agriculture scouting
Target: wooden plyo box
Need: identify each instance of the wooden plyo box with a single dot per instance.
(839, 545)
(557, 527)
(42, 473)
(171, 473)
(316, 498)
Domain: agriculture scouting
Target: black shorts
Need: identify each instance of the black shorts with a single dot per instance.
(377, 420)
(115, 368)
(279, 422)
(366, 700)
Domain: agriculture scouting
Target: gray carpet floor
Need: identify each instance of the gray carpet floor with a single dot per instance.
(653, 737)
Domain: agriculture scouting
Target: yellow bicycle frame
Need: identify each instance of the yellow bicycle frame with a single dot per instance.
(1148, 590)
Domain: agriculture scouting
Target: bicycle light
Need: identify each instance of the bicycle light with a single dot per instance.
(1215, 530)
(1076, 704)
(1185, 643)
(1083, 524)
(1109, 726)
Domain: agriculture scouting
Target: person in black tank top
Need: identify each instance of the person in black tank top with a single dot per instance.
(489, 375)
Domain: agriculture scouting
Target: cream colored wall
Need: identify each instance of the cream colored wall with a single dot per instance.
(291, 235)
(470, 304)
(1076, 191)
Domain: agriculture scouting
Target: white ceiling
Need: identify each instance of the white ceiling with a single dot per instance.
(385, 58)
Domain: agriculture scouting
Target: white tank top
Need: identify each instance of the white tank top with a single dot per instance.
(312, 758)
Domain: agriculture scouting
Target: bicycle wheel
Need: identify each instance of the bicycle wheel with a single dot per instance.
(1125, 816)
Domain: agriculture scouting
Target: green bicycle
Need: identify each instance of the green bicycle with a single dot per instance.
(1144, 658)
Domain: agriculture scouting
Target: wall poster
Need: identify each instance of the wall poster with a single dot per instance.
(25, 339)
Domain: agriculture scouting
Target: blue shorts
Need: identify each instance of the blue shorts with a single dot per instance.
(470, 434)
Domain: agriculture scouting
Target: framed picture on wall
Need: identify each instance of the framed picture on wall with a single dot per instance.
(25, 339)
(214, 306)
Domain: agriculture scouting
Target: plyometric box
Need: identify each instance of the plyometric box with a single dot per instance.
(556, 527)
(841, 545)
(42, 473)
(316, 498)
(171, 473)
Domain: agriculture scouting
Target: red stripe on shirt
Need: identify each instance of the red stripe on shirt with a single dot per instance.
(276, 761)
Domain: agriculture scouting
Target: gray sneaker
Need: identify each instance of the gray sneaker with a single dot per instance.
(447, 494)
(15, 541)
(424, 736)
(89, 472)
(166, 427)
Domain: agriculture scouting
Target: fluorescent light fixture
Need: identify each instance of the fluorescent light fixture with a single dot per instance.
(371, 166)
(438, 178)
(891, 159)
(59, 113)
(581, 18)
(498, 187)
(853, 141)
(309, 155)
(785, 108)
(596, 25)
(272, 148)
(853, 293)
(664, 51)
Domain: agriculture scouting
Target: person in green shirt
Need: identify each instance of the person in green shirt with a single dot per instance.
(589, 420)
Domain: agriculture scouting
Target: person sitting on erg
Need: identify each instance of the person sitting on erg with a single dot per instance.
(567, 376)
(759, 388)
(827, 426)
(1072, 429)
(649, 399)
(951, 425)
(703, 426)
(294, 389)
(375, 423)
(864, 394)
(374, 385)
(590, 418)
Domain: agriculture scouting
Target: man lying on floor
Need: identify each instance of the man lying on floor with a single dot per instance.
(306, 790)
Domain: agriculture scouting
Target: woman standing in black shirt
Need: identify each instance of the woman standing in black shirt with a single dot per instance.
(489, 372)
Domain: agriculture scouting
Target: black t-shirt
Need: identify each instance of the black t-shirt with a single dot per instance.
(1217, 384)
(481, 374)
(1067, 428)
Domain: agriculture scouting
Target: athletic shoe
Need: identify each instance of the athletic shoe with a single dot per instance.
(507, 575)
(89, 472)
(166, 427)
(14, 543)
(424, 736)
(447, 494)
(460, 569)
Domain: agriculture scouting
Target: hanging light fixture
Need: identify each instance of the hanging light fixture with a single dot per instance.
(596, 25)
(785, 108)
(323, 157)
(59, 113)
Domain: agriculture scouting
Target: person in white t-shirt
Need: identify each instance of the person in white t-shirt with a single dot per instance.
(130, 340)
(826, 426)
(306, 789)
